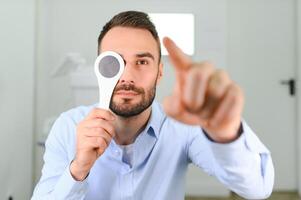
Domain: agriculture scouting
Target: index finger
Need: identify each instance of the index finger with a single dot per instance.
(100, 113)
(179, 59)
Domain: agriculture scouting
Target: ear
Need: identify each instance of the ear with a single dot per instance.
(160, 73)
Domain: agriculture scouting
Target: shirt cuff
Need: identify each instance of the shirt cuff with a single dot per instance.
(239, 132)
(247, 142)
(68, 188)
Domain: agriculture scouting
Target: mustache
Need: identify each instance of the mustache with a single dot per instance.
(129, 87)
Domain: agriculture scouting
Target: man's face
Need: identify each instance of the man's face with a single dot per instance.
(135, 91)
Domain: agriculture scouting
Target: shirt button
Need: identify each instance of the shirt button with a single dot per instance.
(117, 152)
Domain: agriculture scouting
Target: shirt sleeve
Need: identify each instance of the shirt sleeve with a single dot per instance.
(244, 165)
(56, 181)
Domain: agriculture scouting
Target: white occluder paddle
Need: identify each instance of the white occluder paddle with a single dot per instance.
(108, 68)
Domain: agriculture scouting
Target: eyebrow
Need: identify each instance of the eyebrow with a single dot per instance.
(145, 54)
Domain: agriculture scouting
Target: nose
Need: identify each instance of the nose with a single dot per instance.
(128, 74)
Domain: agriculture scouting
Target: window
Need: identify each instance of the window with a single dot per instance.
(179, 27)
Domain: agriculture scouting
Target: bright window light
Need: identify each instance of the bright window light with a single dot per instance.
(179, 27)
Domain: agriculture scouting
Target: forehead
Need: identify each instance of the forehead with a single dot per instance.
(129, 41)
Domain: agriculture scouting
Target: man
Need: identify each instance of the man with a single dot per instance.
(138, 151)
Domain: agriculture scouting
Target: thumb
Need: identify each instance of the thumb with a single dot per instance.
(178, 58)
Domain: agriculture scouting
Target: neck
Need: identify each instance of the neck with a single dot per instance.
(127, 129)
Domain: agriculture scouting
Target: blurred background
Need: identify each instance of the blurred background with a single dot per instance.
(48, 48)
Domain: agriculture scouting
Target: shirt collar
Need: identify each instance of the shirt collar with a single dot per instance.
(156, 119)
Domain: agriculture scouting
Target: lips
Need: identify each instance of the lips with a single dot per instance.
(126, 93)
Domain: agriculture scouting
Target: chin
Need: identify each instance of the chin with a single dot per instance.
(126, 100)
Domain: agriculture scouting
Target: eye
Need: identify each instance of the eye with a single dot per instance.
(142, 62)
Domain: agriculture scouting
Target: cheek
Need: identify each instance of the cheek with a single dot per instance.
(147, 84)
(147, 78)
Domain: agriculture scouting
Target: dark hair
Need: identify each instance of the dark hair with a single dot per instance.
(133, 19)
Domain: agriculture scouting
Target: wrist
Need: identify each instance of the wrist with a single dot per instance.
(77, 172)
(224, 139)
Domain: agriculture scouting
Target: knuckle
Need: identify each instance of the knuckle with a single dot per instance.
(107, 113)
(97, 112)
(111, 130)
(216, 91)
(98, 141)
(239, 94)
(101, 151)
(207, 64)
(236, 93)
(99, 122)
(202, 71)
(194, 106)
(196, 74)
(93, 111)
(201, 76)
(236, 90)
(102, 143)
(108, 127)
(97, 131)
(221, 74)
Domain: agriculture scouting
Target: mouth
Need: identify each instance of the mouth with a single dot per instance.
(126, 93)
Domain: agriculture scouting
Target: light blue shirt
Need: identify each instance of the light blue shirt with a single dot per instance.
(161, 154)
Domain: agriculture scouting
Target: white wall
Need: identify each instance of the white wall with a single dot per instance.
(298, 53)
(16, 97)
(261, 53)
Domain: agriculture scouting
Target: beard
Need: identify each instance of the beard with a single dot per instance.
(126, 109)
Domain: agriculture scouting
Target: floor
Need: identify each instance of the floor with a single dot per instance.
(274, 196)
